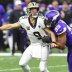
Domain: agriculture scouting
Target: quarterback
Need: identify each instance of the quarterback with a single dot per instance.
(63, 33)
(35, 27)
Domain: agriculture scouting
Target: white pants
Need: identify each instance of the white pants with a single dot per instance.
(36, 50)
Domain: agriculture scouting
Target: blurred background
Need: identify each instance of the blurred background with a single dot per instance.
(10, 10)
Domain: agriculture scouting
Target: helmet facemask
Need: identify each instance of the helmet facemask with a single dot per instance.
(50, 23)
(47, 22)
(34, 12)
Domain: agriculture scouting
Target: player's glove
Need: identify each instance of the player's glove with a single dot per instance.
(46, 39)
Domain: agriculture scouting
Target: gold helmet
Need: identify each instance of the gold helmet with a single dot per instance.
(32, 5)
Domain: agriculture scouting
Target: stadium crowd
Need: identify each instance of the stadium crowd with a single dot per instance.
(17, 39)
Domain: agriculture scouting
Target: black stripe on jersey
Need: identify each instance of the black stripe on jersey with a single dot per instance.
(33, 26)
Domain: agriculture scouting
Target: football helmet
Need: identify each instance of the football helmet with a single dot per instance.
(51, 18)
(33, 5)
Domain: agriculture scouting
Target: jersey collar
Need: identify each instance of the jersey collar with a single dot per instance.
(33, 26)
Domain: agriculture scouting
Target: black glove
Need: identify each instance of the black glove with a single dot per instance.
(46, 39)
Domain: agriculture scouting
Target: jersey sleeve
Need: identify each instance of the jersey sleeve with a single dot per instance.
(59, 29)
(42, 22)
(43, 25)
(21, 21)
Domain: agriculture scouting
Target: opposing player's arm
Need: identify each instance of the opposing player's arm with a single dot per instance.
(61, 41)
(10, 26)
(53, 42)
(51, 33)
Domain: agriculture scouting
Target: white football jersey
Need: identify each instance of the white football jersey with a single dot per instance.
(34, 32)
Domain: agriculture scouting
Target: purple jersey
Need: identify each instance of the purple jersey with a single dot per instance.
(62, 27)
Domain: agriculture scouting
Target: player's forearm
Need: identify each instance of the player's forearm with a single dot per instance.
(51, 34)
(60, 45)
(6, 27)
(61, 40)
(53, 37)
(10, 26)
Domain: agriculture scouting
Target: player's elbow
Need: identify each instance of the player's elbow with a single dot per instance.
(62, 46)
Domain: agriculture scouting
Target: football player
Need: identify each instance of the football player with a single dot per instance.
(63, 33)
(37, 33)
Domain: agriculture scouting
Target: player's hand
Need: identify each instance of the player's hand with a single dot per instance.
(53, 45)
